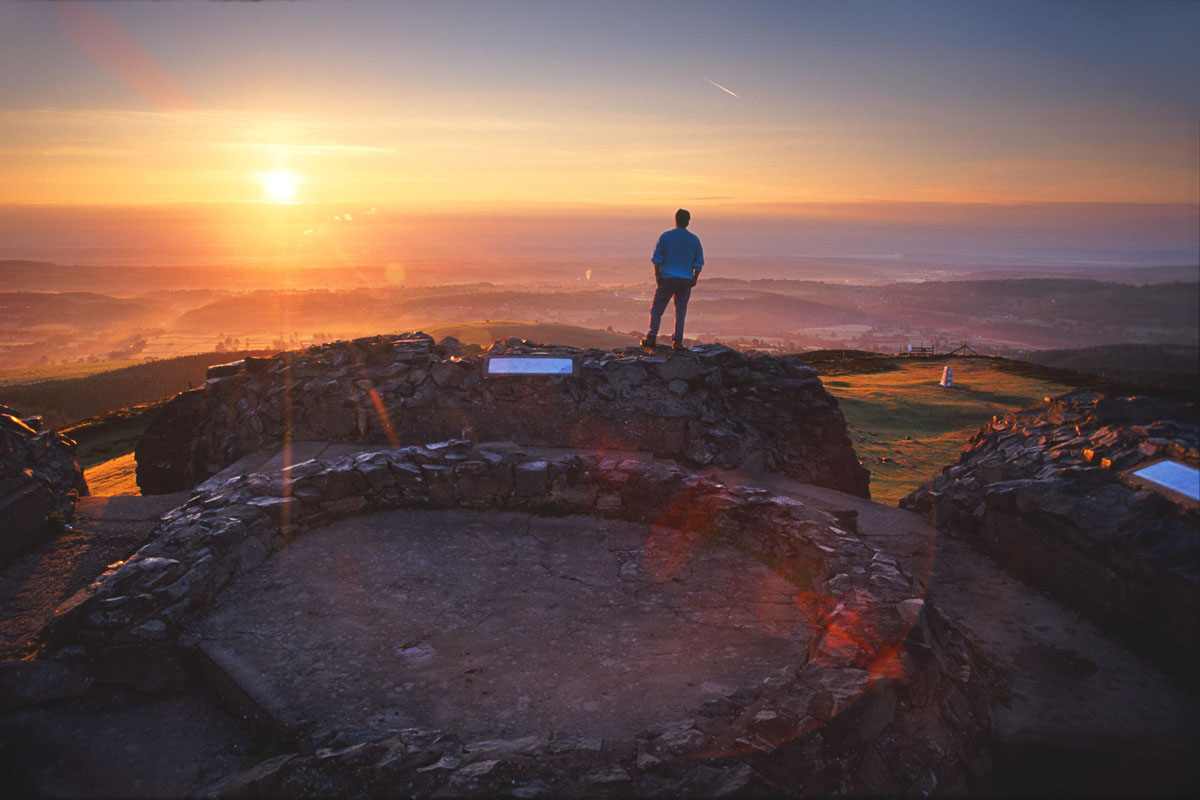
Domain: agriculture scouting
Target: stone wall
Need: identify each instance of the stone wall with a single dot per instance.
(1045, 492)
(707, 406)
(39, 477)
(887, 700)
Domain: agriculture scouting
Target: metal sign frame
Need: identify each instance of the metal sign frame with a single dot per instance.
(523, 366)
(1153, 475)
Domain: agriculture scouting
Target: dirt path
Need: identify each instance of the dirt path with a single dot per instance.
(111, 743)
(105, 530)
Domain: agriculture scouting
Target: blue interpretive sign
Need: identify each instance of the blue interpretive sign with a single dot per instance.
(529, 365)
(1173, 476)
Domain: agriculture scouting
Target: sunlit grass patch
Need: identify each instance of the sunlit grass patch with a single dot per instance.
(17, 376)
(117, 476)
(905, 426)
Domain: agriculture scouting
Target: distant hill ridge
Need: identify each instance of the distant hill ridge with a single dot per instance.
(484, 333)
(65, 401)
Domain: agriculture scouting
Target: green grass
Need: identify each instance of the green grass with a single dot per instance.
(905, 426)
(55, 372)
(66, 401)
(117, 476)
(101, 439)
(105, 448)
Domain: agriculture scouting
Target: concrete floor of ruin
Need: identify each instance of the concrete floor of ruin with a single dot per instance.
(1058, 680)
(499, 625)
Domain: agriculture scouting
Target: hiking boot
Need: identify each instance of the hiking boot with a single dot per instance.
(677, 346)
(648, 343)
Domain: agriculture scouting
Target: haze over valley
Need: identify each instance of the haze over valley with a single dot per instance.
(92, 314)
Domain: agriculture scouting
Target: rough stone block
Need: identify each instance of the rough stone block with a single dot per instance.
(24, 513)
(531, 478)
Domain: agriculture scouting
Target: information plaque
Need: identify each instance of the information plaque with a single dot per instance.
(1172, 476)
(529, 365)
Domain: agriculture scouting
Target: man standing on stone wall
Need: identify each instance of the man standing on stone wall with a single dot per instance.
(678, 258)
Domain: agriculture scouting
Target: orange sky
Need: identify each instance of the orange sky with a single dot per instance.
(542, 107)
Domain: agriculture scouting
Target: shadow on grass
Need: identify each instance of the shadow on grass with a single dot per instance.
(986, 397)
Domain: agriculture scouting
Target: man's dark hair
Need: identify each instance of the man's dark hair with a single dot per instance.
(682, 217)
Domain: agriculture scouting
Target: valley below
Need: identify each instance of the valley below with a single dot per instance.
(60, 317)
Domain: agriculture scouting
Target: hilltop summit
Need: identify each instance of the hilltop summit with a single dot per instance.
(708, 407)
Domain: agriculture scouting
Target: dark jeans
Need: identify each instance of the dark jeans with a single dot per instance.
(681, 290)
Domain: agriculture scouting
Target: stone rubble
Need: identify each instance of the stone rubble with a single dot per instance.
(710, 405)
(1046, 492)
(40, 482)
(884, 703)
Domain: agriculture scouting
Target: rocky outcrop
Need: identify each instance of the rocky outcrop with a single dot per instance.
(40, 482)
(886, 700)
(707, 406)
(1046, 491)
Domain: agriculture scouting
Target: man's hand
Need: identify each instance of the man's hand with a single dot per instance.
(695, 278)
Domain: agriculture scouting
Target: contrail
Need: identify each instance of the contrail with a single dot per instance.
(719, 86)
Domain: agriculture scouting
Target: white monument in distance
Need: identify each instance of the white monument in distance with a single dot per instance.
(948, 375)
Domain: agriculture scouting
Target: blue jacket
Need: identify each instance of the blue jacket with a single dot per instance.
(679, 254)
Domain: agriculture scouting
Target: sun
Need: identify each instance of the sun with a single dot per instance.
(279, 186)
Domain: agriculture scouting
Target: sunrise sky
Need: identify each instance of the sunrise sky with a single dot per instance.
(740, 111)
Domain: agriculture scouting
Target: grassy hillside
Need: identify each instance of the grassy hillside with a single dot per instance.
(75, 309)
(20, 375)
(484, 333)
(63, 402)
(105, 448)
(905, 426)
(1161, 365)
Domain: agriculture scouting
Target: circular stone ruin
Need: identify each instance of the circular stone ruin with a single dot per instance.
(471, 620)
